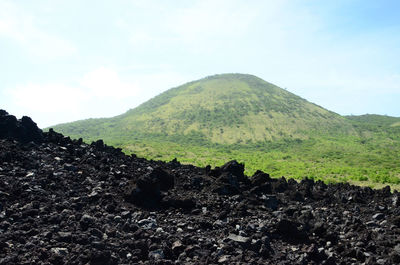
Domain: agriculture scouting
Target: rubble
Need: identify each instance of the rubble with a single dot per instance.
(66, 202)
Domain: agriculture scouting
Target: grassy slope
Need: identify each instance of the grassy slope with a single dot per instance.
(224, 109)
(257, 123)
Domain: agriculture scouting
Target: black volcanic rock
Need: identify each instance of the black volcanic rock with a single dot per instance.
(147, 190)
(260, 178)
(234, 168)
(23, 130)
(63, 201)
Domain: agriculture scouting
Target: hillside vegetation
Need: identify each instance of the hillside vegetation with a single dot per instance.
(236, 116)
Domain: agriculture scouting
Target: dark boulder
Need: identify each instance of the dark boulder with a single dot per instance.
(289, 230)
(280, 185)
(260, 178)
(23, 130)
(227, 184)
(237, 169)
(147, 190)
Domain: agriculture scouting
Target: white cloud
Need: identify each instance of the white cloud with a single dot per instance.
(45, 103)
(99, 93)
(106, 83)
(196, 26)
(210, 19)
(21, 27)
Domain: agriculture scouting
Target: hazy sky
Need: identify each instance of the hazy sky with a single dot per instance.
(66, 60)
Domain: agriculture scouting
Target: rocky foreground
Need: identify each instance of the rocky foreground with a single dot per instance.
(66, 202)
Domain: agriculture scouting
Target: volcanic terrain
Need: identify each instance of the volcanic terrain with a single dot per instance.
(63, 201)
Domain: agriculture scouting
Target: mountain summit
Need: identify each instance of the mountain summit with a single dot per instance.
(224, 109)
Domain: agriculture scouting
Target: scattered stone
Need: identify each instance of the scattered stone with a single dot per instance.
(238, 238)
(157, 254)
(378, 216)
(65, 236)
(60, 251)
(70, 167)
(271, 202)
(148, 223)
(87, 221)
(395, 255)
(223, 259)
(177, 247)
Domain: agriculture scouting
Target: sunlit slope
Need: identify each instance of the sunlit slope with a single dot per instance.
(225, 109)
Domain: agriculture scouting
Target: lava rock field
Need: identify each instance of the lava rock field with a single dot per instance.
(63, 201)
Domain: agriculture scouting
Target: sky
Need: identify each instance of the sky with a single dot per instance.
(62, 61)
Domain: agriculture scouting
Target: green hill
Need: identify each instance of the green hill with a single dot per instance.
(224, 109)
(237, 116)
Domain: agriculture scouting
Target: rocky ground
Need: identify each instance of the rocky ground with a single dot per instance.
(66, 202)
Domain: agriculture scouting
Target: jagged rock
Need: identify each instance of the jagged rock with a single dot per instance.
(23, 130)
(260, 178)
(234, 168)
(280, 185)
(147, 191)
(227, 184)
